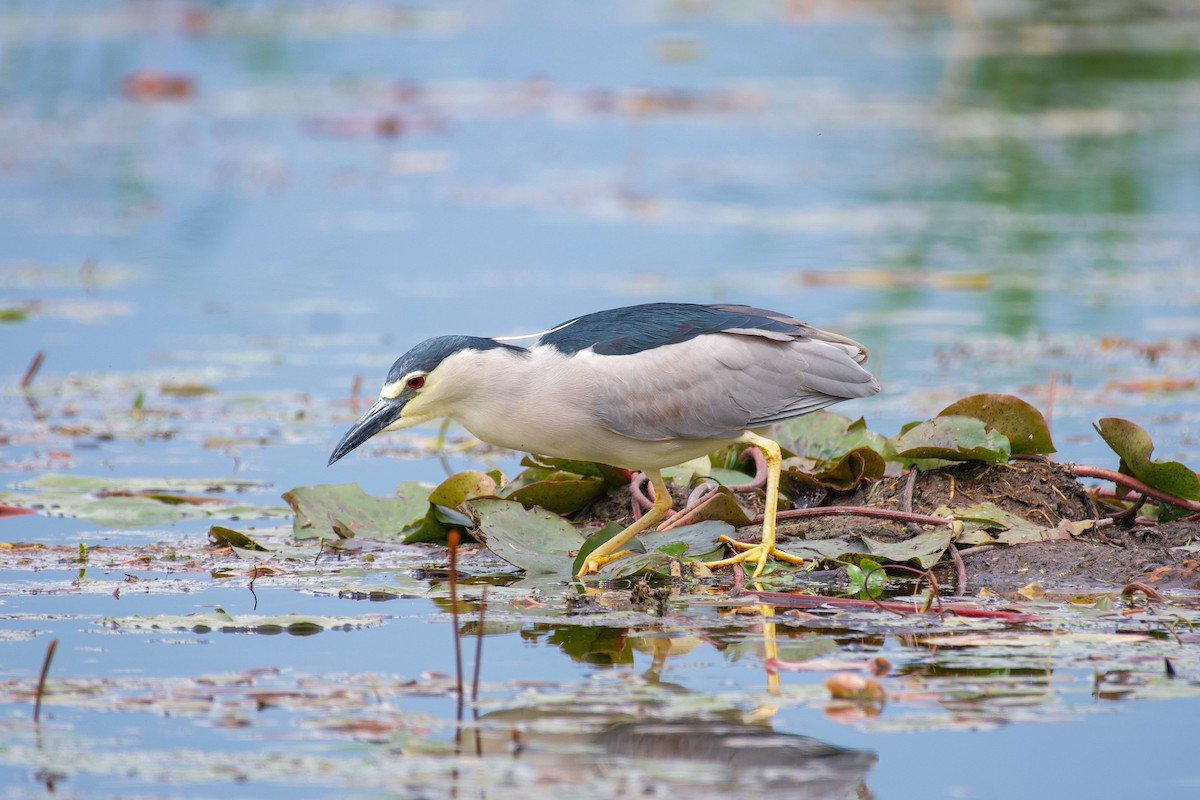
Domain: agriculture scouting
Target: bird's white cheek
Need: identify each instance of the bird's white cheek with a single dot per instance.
(401, 422)
(416, 411)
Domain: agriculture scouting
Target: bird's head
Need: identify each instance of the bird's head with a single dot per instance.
(420, 386)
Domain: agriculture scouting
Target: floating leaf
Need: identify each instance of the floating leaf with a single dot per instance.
(720, 504)
(131, 502)
(344, 509)
(560, 496)
(597, 538)
(612, 476)
(825, 436)
(1021, 423)
(558, 490)
(699, 541)
(926, 549)
(951, 438)
(462, 486)
(801, 489)
(837, 549)
(846, 473)
(866, 579)
(534, 539)
(228, 537)
(1133, 444)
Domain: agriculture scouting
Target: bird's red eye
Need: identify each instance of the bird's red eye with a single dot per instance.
(416, 382)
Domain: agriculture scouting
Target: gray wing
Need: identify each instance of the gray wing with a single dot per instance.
(721, 384)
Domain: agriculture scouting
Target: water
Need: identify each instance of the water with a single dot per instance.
(1003, 198)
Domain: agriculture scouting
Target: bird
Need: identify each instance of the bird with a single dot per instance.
(640, 387)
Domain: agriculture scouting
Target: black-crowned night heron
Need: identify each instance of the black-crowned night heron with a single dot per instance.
(642, 387)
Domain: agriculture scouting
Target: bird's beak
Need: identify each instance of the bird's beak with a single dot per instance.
(382, 414)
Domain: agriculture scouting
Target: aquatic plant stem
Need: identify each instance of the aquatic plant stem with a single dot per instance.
(1121, 479)
(41, 686)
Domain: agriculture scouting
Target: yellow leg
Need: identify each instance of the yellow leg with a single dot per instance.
(759, 552)
(611, 549)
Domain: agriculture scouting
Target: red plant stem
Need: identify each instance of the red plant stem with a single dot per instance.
(960, 571)
(860, 511)
(1084, 471)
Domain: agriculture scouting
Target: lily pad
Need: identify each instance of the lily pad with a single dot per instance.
(536, 540)
(133, 502)
(851, 469)
(988, 516)
(562, 496)
(720, 504)
(557, 486)
(925, 549)
(1131, 442)
(461, 486)
(220, 535)
(951, 438)
(825, 436)
(343, 510)
(687, 542)
(1021, 423)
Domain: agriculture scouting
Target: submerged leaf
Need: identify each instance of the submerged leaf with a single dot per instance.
(1021, 423)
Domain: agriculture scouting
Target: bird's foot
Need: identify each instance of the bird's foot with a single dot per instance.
(595, 561)
(752, 551)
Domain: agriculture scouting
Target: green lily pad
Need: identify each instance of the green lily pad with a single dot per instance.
(344, 510)
(220, 535)
(560, 495)
(612, 476)
(558, 485)
(134, 502)
(461, 486)
(720, 504)
(1021, 423)
(925, 549)
(951, 438)
(687, 542)
(1131, 442)
(825, 436)
(840, 548)
(533, 539)
(851, 469)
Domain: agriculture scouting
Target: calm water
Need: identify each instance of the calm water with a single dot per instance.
(1003, 198)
